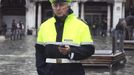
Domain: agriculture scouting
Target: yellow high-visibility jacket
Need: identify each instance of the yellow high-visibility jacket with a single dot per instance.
(75, 33)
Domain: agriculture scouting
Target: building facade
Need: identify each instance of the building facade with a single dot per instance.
(33, 12)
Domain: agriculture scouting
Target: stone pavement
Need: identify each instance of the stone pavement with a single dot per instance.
(17, 58)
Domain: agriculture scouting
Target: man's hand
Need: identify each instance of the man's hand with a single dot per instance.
(64, 49)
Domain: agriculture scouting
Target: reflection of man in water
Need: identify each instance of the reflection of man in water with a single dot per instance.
(130, 24)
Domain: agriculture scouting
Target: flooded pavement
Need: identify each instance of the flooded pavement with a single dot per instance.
(17, 58)
(105, 43)
(128, 69)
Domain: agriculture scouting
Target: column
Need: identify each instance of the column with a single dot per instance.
(108, 18)
(30, 15)
(117, 12)
(39, 15)
(2, 37)
(82, 11)
(75, 8)
(0, 14)
(123, 10)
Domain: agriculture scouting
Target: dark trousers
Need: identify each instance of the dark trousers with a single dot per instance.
(65, 69)
(56, 69)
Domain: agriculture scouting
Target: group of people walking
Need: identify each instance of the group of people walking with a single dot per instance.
(17, 30)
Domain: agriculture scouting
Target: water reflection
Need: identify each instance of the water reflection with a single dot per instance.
(103, 43)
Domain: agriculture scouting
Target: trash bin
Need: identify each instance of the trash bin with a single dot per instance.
(29, 32)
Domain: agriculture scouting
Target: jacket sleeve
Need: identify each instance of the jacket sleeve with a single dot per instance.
(82, 52)
(40, 58)
(86, 48)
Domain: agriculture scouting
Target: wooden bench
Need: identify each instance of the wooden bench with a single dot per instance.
(105, 58)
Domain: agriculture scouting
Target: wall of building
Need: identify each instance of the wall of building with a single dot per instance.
(34, 14)
(118, 11)
(30, 15)
(8, 20)
(12, 10)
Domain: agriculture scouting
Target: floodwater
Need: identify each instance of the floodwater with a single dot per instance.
(17, 58)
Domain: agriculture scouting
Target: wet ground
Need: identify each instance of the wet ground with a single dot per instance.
(17, 58)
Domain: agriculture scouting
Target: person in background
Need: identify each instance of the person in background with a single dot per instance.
(104, 28)
(130, 26)
(119, 32)
(94, 29)
(121, 26)
(14, 26)
(20, 30)
(62, 39)
(13, 30)
(4, 28)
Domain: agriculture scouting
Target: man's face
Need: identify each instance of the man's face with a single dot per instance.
(60, 9)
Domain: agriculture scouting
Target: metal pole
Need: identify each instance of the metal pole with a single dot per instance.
(114, 41)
